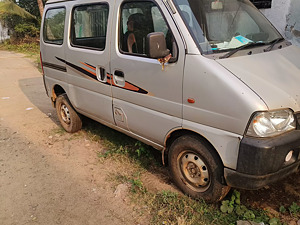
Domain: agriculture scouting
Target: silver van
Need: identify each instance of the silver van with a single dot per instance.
(210, 83)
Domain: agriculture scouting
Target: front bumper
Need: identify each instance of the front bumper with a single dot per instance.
(263, 160)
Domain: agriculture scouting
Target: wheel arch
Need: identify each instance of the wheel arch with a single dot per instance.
(57, 90)
(173, 135)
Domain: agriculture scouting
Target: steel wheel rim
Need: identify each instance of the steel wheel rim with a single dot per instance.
(65, 114)
(194, 171)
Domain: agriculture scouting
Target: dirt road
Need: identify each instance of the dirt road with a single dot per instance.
(46, 178)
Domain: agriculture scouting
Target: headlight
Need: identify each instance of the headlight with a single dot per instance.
(271, 123)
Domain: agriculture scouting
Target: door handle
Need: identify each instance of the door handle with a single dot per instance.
(119, 73)
(119, 78)
(101, 73)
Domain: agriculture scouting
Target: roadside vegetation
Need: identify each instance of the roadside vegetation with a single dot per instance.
(31, 49)
(24, 27)
(172, 207)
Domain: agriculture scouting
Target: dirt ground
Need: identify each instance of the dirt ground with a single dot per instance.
(45, 177)
(50, 178)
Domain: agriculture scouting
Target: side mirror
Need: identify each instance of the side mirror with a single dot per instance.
(157, 46)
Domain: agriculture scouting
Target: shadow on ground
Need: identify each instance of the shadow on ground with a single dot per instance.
(33, 89)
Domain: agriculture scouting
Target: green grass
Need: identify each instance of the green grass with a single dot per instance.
(30, 49)
(59, 130)
(166, 207)
(116, 143)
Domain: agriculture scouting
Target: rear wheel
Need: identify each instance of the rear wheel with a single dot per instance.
(196, 169)
(68, 117)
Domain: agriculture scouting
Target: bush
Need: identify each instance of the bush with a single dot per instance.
(26, 30)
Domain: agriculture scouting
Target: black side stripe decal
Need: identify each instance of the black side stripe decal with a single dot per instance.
(54, 66)
(110, 80)
(77, 68)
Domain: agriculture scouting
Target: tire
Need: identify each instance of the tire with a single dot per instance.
(196, 169)
(68, 117)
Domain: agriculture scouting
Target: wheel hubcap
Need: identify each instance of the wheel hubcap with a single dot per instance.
(65, 114)
(194, 170)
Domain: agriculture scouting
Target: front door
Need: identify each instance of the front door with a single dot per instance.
(147, 98)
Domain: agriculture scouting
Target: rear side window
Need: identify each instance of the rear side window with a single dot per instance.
(54, 25)
(89, 26)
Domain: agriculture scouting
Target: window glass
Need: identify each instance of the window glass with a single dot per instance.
(54, 26)
(89, 26)
(138, 19)
(158, 21)
(224, 25)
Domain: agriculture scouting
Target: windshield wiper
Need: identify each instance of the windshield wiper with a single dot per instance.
(250, 44)
(273, 43)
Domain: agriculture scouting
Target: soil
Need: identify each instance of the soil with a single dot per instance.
(49, 177)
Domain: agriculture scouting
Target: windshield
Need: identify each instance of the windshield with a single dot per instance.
(222, 25)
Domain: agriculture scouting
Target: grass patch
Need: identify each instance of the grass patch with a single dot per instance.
(30, 49)
(59, 130)
(116, 143)
(166, 207)
(292, 211)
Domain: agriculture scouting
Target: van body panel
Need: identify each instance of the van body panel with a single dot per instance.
(57, 76)
(151, 124)
(90, 94)
(52, 81)
(154, 90)
(221, 100)
(269, 74)
(225, 143)
(125, 131)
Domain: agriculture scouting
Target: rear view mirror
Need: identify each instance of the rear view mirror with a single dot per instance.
(216, 5)
(157, 46)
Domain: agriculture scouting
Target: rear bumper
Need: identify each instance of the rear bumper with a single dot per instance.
(263, 160)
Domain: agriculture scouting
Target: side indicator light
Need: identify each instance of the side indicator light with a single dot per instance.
(191, 100)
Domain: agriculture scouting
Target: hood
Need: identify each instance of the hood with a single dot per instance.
(274, 76)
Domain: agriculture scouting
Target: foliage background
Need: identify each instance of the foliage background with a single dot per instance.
(23, 25)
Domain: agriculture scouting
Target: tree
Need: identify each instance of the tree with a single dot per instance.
(30, 6)
(8, 7)
(41, 7)
(18, 20)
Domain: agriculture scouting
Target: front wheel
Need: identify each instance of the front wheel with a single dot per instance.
(68, 117)
(196, 169)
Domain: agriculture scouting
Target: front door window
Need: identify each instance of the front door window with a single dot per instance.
(138, 19)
